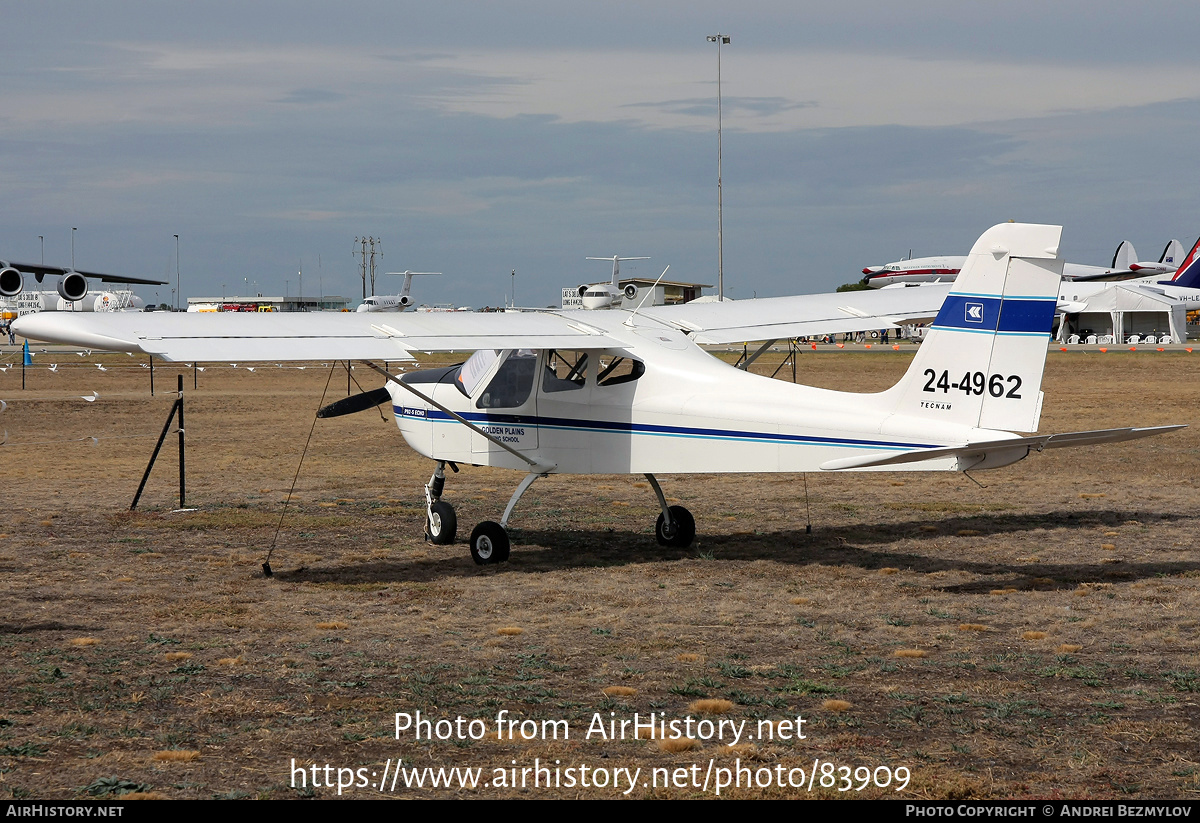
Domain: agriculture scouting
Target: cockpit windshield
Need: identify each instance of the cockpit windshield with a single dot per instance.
(477, 365)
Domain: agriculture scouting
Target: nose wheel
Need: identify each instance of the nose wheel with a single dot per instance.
(442, 523)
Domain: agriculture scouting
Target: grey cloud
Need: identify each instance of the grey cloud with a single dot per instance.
(707, 107)
(308, 97)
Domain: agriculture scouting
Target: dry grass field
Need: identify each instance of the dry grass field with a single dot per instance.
(1034, 638)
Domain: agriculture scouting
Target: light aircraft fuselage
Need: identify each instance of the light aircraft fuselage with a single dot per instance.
(685, 412)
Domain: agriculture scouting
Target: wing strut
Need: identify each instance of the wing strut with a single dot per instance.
(744, 364)
(533, 464)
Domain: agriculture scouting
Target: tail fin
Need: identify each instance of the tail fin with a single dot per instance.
(1188, 275)
(981, 363)
(1172, 254)
(1124, 258)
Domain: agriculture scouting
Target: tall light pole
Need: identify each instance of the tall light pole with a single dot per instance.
(720, 40)
(177, 293)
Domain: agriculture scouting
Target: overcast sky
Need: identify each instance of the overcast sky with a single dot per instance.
(477, 138)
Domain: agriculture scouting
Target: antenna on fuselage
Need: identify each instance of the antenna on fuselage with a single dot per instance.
(629, 320)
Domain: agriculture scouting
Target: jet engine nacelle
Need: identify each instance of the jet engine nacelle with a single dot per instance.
(630, 291)
(11, 282)
(405, 301)
(72, 286)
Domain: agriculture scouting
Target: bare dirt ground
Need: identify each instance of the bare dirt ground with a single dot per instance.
(1033, 638)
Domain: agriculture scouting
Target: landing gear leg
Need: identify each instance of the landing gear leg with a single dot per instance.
(489, 541)
(675, 526)
(441, 523)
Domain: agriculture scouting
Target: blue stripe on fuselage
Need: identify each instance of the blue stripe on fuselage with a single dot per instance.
(610, 426)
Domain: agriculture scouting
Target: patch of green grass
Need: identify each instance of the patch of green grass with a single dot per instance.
(1183, 681)
(24, 750)
(733, 670)
(103, 786)
(804, 686)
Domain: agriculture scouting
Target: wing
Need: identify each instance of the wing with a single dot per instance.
(777, 318)
(40, 271)
(236, 337)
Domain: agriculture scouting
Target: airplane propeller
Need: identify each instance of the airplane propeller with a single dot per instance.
(356, 403)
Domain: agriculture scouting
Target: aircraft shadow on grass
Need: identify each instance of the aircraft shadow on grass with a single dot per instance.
(547, 550)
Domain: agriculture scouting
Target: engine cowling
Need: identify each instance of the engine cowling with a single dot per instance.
(405, 301)
(72, 286)
(11, 282)
(630, 291)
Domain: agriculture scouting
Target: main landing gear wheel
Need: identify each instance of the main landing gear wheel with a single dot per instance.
(489, 543)
(682, 531)
(442, 523)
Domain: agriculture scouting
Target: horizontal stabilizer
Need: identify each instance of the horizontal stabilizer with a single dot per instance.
(980, 451)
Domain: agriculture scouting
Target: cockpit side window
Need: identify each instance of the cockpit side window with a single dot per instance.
(512, 383)
(619, 370)
(564, 371)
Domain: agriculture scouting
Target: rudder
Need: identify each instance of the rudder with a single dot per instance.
(981, 364)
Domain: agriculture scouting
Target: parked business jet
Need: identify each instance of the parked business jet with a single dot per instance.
(393, 302)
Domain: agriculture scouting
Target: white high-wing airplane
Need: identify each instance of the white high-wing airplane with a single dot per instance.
(393, 302)
(616, 391)
(944, 269)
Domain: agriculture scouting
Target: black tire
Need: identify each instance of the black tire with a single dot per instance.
(684, 531)
(489, 543)
(442, 526)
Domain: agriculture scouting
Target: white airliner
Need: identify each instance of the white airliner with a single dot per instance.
(944, 269)
(393, 302)
(72, 285)
(617, 391)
